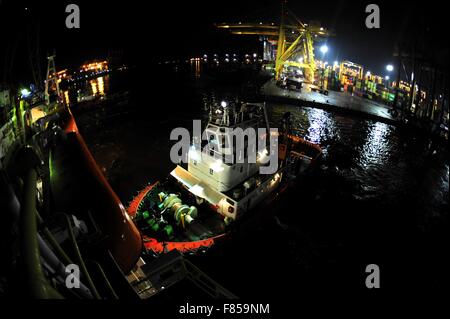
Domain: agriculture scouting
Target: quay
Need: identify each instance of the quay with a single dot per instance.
(341, 102)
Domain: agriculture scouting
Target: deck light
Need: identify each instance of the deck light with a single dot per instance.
(25, 92)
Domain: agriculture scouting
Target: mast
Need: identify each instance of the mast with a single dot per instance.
(51, 81)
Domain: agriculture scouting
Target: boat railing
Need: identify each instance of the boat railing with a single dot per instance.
(230, 116)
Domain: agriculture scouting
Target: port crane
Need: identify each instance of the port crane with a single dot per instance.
(294, 40)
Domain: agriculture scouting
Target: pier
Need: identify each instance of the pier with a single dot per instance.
(341, 102)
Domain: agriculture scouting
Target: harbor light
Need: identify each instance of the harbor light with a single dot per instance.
(390, 67)
(324, 49)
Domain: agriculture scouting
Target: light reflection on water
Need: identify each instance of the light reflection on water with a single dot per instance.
(93, 87)
(87, 90)
(196, 68)
(371, 141)
(99, 85)
(320, 124)
(375, 151)
(375, 157)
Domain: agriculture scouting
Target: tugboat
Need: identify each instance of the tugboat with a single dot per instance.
(196, 206)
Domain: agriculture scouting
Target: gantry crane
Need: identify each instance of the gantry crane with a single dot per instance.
(295, 41)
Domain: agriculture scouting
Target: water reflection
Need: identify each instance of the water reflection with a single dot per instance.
(315, 125)
(320, 125)
(196, 67)
(93, 87)
(376, 149)
(66, 97)
(101, 85)
(97, 86)
(87, 90)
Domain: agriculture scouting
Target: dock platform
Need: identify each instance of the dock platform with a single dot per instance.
(342, 102)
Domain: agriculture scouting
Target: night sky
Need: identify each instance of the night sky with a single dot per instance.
(150, 31)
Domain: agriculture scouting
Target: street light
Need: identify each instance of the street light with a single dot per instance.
(389, 67)
(324, 49)
(387, 77)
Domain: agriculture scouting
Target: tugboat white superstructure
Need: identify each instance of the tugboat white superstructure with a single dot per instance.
(224, 174)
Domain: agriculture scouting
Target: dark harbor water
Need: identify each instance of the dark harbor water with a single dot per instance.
(380, 194)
